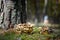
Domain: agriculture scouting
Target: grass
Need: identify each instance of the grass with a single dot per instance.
(24, 36)
(8, 36)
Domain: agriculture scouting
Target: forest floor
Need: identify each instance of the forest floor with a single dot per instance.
(35, 35)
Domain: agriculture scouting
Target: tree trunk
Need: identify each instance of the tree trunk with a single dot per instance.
(37, 14)
(44, 9)
(7, 10)
(23, 12)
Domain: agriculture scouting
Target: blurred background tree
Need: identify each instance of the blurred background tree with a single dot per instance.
(32, 11)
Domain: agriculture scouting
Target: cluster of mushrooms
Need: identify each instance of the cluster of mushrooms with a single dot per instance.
(26, 27)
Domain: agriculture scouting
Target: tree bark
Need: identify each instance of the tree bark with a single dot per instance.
(23, 12)
(37, 14)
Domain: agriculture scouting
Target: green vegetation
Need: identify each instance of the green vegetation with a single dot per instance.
(35, 35)
(8, 36)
